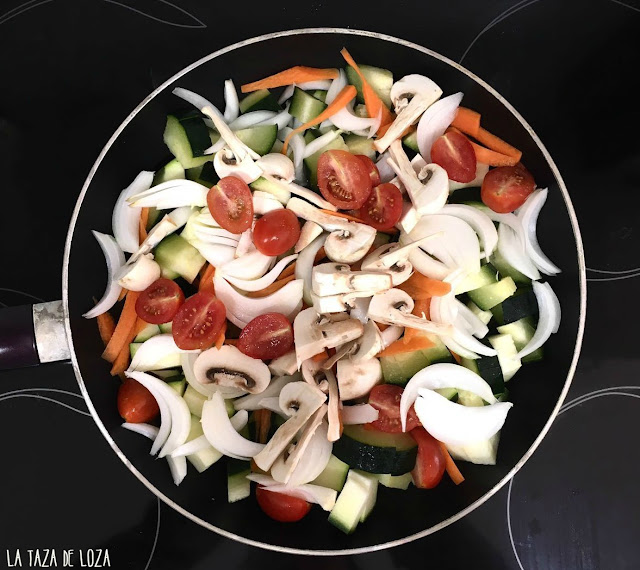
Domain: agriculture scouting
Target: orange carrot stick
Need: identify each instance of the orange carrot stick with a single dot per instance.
(122, 359)
(400, 346)
(263, 423)
(420, 309)
(122, 332)
(456, 356)
(450, 466)
(106, 326)
(297, 74)
(123, 294)
(320, 357)
(320, 255)
(142, 227)
(221, 336)
(231, 341)
(467, 121)
(290, 270)
(488, 156)
(339, 103)
(206, 281)
(420, 287)
(372, 102)
(275, 286)
(492, 142)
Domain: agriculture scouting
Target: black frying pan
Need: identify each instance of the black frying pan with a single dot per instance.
(537, 391)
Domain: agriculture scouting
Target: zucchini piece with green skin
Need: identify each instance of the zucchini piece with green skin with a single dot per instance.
(187, 137)
(522, 303)
(173, 170)
(522, 332)
(305, 106)
(311, 162)
(400, 368)
(195, 400)
(176, 256)
(469, 196)
(147, 332)
(372, 496)
(482, 453)
(262, 100)
(360, 145)
(411, 141)
(205, 174)
(238, 486)
(381, 81)
(178, 385)
(320, 95)
(264, 185)
(260, 138)
(489, 296)
(204, 458)
(166, 327)
(396, 481)
(484, 316)
(133, 348)
(356, 497)
(485, 276)
(506, 270)
(376, 451)
(488, 367)
(507, 354)
(334, 474)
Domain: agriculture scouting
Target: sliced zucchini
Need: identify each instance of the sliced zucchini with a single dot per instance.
(264, 185)
(305, 106)
(166, 328)
(205, 174)
(176, 256)
(204, 458)
(133, 348)
(489, 368)
(522, 304)
(381, 80)
(334, 474)
(195, 400)
(187, 137)
(400, 368)
(260, 138)
(484, 316)
(354, 499)
(262, 100)
(147, 332)
(507, 354)
(360, 145)
(411, 141)
(173, 170)
(493, 294)
(486, 276)
(522, 332)
(483, 452)
(396, 481)
(238, 486)
(311, 162)
(466, 398)
(506, 270)
(179, 384)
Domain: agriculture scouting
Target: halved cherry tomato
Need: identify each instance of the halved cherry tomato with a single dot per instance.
(198, 321)
(454, 153)
(281, 507)
(505, 189)
(276, 232)
(231, 204)
(383, 207)
(386, 399)
(343, 179)
(159, 302)
(430, 462)
(135, 403)
(267, 336)
(372, 169)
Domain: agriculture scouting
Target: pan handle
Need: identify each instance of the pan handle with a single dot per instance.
(32, 335)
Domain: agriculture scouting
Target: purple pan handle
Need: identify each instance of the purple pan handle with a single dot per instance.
(32, 335)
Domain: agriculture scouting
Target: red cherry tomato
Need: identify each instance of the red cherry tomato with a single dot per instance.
(159, 302)
(135, 403)
(454, 153)
(343, 179)
(198, 321)
(276, 232)
(505, 189)
(231, 204)
(267, 336)
(281, 507)
(383, 207)
(430, 462)
(386, 399)
(372, 169)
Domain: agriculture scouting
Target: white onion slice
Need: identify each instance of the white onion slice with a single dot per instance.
(297, 145)
(359, 414)
(246, 246)
(126, 219)
(443, 375)
(194, 446)
(386, 172)
(319, 143)
(196, 100)
(232, 105)
(314, 459)
(548, 320)
(216, 254)
(115, 260)
(390, 335)
(512, 248)
(137, 276)
(427, 265)
(281, 120)
(180, 216)
(304, 265)
(315, 85)
(251, 119)
(254, 401)
(187, 360)
(172, 194)
(265, 280)
(528, 216)
(147, 430)
(178, 468)
(287, 93)
(264, 202)
(347, 121)
(203, 236)
(219, 431)
(179, 415)
(155, 352)
(435, 121)
(239, 420)
(454, 424)
(479, 221)
(322, 496)
(475, 326)
(160, 231)
(250, 266)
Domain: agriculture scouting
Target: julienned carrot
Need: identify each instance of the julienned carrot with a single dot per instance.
(467, 121)
(263, 424)
(372, 101)
(320, 357)
(106, 326)
(320, 255)
(450, 466)
(420, 309)
(275, 286)
(122, 359)
(297, 74)
(126, 323)
(456, 356)
(231, 341)
(492, 142)
(491, 157)
(289, 270)
(142, 226)
(354, 219)
(419, 287)
(206, 280)
(123, 294)
(401, 347)
(221, 336)
(339, 103)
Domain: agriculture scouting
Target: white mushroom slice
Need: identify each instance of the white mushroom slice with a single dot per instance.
(256, 401)
(429, 189)
(355, 379)
(313, 333)
(403, 90)
(369, 344)
(345, 350)
(348, 241)
(278, 166)
(299, 400)
(407, 117)
(309, 232)
(337, 278)
(240, 150)
(394, 259)
(393, 307)
(250, 266)
(360, 309)
(137, 276)
(313, 373)
(264, 202)
(409, 218)
(160, 231)
(390, 335)
(228, 367)
(284, 365)
(225, 163)
(337, 303)
(333, 414)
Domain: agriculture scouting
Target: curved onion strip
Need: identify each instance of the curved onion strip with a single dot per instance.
(251, 266)
(155, 352)
(390, 335)
(187, 359)
(435, 121)
(215, 231)
(322, 496)
(347, 121)
(528, 216)
(115, 260)
(469, 342)
(212, 239)
(359, 414)
(511, 247)
(427, 265)
(264, 202)
(172, 194)
(180, 216)
(251, 119)
(549, 319)
(126, 219)
(137, 276)
(314, 459)
(281, 120)
(143, 429)
(304, 265)
(443, 375)
(384, 169)
(479, 221)
(178, 468)
(298, 145)
(232, 105)
(195, 99)
(215, 254)
(319, 143)
(460, 350)
(254, 401)
(510, 220)
(337, 85)
(239, 420)
(287, 93)
(315, 85)
(454, 424)
(194, 446)
(265, 280)
(475, 326)
(216, 146)
(219, 431)
(179, 416)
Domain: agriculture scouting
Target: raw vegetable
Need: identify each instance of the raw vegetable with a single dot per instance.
(297, 74)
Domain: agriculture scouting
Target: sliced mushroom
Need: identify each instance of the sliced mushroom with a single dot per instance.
(227, 367)
(278, 166)
(341, 352)
(333, 414)
(409, 218)
(314, 374)
(337, 278)
(405, 89)
(337, 303)
(314, 333)
(225, 163)
(355, 379)
(257, 401)
(393, 307)
(299, 400)
(284, 365)
(348, 241)
(309, 232)
(369, 344)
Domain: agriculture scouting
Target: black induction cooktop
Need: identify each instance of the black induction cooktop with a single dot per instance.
(72, 70)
